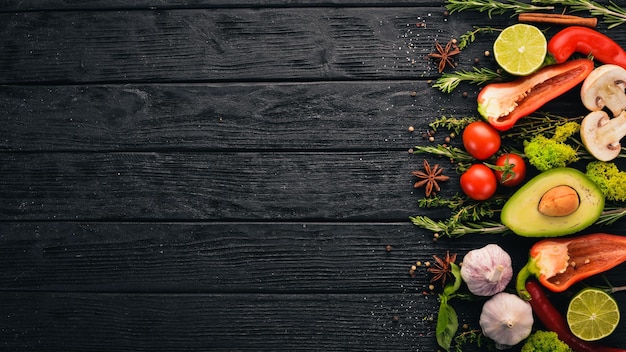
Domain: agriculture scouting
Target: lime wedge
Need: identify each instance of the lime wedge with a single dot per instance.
(592, 314)
(520, 49)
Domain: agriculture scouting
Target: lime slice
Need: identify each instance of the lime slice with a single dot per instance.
(592, 314)
(520, 49)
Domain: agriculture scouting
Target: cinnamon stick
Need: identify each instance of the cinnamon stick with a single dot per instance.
(563, 20)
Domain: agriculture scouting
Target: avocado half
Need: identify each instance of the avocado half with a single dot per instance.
(520, 213)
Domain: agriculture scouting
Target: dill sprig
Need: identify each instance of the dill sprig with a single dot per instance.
(470, 36)
(449, 81)
(493, 7)
(612, 14)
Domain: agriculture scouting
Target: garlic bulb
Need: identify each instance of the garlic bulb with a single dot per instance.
(487, 270)
(507, 319)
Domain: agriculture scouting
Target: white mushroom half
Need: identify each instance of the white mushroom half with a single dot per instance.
(604, 89)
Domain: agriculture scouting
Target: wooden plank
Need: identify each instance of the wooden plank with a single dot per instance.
(29, 5)
(265, 116)
(51, 5)
(164, 322)
(200, 322)
(285, 186)
(224, 257)
(224, 45)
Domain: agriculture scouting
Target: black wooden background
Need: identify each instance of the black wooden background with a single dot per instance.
(224, 175)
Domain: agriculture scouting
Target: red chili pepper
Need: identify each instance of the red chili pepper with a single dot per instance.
(586, 41)
(502, 104)
(559, 263)
(553, 320)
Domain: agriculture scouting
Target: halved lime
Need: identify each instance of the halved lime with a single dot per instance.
(592, 314)
(520, 49)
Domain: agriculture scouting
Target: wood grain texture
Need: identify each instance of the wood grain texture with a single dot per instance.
(361, 116)
(300, 44)
(211, 175)
(287, 186)
(201, 322)
(222, 257)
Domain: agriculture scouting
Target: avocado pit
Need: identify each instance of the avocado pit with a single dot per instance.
(561, 200)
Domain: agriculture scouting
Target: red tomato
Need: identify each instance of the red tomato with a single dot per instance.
(516, 170)
(479, 182)
(481, 140)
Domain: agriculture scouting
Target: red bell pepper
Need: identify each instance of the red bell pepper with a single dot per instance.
(502, 104)
(586, 41)
(561, 262)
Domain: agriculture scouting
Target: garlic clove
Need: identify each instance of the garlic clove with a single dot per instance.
(487, 270)
(506, 319)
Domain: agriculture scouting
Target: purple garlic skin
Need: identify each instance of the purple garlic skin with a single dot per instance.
(487, 270)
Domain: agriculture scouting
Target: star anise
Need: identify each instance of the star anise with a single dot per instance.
(441, 270)
(429, 178)
(444, 55)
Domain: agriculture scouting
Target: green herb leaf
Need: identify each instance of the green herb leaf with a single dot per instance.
(447, 324)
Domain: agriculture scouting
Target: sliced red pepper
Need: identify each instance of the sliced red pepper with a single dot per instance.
(502, 104)
(586, 41)
(559, 263)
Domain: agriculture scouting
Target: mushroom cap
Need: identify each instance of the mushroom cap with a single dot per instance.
(604, 149)
(604, 87)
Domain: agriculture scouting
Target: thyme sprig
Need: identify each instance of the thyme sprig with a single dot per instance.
(470, 36)
(493, 7)
(538, 123)
(449, 81)
(612, 14)
(456, 229)
(463, 207)
(451, 123)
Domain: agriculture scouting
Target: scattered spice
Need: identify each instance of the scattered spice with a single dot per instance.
(444, 54)
(442, 270)
(429, 178)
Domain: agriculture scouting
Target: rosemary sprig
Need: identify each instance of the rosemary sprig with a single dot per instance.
(453, 153)
(470, 36)
(493, 7)
(612, 14)
(449, 81)
(453, 228)
(610, 215)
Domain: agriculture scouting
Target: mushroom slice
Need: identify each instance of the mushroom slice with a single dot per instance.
(601, 134)
(604, 89)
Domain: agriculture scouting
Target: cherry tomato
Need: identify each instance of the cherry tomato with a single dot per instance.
(481, 140)
(516, 170)
(479, 182)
